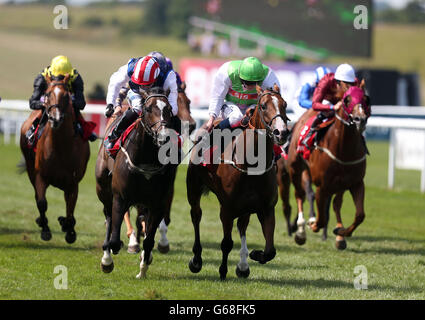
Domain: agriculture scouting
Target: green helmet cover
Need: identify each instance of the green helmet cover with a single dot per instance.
(251, 69)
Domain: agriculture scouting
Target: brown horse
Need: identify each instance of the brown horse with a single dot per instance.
(60, 159)
(137, 177)
(240, 193)
(284, 183)
(188, 124)
(337, 163)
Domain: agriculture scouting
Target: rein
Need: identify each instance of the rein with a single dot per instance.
(344, 163)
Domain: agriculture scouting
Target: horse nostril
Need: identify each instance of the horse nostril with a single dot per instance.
(276, 132)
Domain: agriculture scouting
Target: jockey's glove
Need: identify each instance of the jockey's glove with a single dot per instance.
(109, 110)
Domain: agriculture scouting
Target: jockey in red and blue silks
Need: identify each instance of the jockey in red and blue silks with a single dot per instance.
(139, 73)
(304, 95)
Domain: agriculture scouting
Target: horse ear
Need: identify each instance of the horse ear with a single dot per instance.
(183, 86)
(362, 84)
(143, 93)
(276, 88)
(259, 89)
(48, 79)
(347, 100)
(167, 93)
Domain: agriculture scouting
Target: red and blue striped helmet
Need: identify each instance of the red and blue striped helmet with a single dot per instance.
(146, 71)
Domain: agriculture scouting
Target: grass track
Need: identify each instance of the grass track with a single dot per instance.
(390, 244)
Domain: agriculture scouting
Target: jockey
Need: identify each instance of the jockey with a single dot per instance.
(139, 73)
(325, 99)
(305, 93)
(59, 67)
(234, 91)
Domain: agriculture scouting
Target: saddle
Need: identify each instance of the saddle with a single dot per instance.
(317, 135)
(114, 150)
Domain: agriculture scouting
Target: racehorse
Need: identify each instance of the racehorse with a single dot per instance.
(60, 158)
(137, 177)
(239, 192)
(188, 124)
(284, 183)
(337, 163)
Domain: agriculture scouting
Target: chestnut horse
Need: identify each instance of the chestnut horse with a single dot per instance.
(337, 163)
(137, 177)
(188, 124)
(239, 192)
(60, 158)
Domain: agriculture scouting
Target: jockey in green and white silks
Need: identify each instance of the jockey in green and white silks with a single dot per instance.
(234, 90)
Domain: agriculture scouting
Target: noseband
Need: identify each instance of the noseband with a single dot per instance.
(56, 105)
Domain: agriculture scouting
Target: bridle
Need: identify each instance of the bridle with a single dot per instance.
(56, 105)
(147, 126)
(261, 108)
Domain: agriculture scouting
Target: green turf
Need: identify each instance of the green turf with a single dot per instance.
(390, 244)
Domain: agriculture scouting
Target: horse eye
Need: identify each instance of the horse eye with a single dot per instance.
(263, 107)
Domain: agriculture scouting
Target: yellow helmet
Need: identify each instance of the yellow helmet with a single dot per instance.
(60, 66)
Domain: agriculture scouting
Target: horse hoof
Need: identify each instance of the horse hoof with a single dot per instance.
(257, 255)
(163, 249)
(194, 267)
(337, 231)
(70, 237)
(242, 273)
(300, 239)
(46, 235)
(133, 249)
(107, 269)
(340, 244)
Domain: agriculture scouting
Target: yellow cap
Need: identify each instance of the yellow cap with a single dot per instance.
(60, 66)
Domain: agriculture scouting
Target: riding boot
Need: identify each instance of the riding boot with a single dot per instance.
(125, 121)
(313, 129)
(30, 134)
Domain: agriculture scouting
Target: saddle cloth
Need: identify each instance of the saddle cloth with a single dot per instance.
(114, 150)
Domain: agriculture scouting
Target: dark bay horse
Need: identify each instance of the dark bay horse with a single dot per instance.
(137, 177)
(60, 159)
(337, 164)
(188, 124)
(240, 193)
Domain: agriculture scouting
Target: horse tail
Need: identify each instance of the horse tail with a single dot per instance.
(21, 166)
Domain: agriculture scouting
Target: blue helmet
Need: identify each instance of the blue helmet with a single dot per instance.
(321, 72)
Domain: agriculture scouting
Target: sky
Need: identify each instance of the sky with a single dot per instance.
(393, 3)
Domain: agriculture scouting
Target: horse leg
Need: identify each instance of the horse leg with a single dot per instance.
(107, 264)
(227, 242)
(133, 244)
(267, 220)
(340, 242)
(153, 220)
(310, 196)
(322, 201)
(300, 235)
(357, 192)
(194, 193)
(119, 207)
(284, 187)
(163, 244)
(40, 198)
(68, 223)
(242, 269)
(325, 228)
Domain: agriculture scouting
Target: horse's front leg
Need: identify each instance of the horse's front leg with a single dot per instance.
(340, 242)
(68, 223)
(163, 244)
(242, 269)
(119, 207)
(227, 242)
(323, 201)
(107, 264)
(357, 192)
(153, 219)
(300, 234)
(267, 220)
(40, 198)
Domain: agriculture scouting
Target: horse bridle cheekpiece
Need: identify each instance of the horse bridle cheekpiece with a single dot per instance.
(262, 108)
(148, 127)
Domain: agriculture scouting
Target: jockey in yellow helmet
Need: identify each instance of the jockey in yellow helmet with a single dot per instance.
(58, 68)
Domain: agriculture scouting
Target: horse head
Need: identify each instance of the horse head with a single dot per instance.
(156, 114)
(57, 100)
(271, 113)
(355, 105)
(183, 103)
